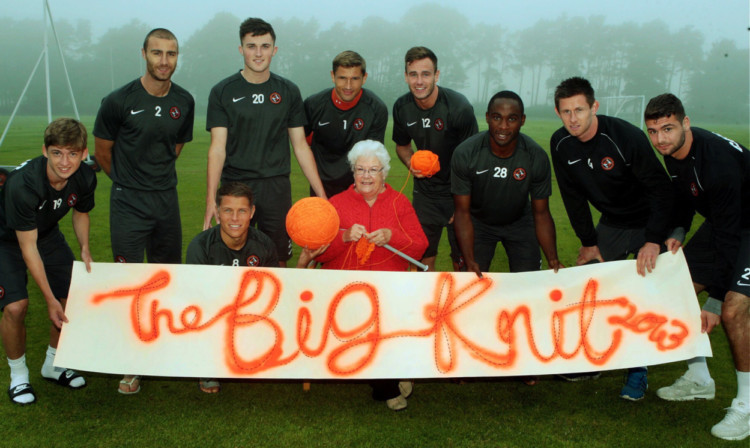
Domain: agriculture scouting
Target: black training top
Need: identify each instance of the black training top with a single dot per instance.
(618, 172)
(714, 180)
(257, 118)
(500, 188)
(28, 202)
(145, 130)
(208, 248)
(335, 131)
(439, 129)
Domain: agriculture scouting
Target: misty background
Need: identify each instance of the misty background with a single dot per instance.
(479, 52)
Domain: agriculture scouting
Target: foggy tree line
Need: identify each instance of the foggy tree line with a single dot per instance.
(643, 58)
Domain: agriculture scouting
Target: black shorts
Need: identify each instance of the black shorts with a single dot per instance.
(58, 266)
(518, 239)
(700, 254)
(145, 221)
(273, 199)
(434, 215)
(617, 244)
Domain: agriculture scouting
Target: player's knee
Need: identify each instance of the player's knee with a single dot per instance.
(736, 309)
(16, 312)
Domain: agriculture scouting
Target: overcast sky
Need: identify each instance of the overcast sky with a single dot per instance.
(715, 19)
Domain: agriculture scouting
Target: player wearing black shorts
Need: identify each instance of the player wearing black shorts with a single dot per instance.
(252, 116)
(34, 199)
(493, 175)
(338, 118)
(608, 162)
(437, 119)
(711, 176)
(232, 242)
(140, 131)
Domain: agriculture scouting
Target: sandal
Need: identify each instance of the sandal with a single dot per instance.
(134, 380)
(21, 389)
(65, 378)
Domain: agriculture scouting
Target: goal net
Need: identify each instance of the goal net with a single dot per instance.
(629, 108)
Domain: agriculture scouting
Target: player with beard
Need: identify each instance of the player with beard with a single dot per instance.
(608, 163)
(140, 131)
(340, 117)
(501, 182)
(437, 119)
(711, 176)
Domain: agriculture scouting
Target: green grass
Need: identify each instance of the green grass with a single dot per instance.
(488, 412)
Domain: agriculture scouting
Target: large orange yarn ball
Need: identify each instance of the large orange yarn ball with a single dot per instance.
(425, 161)
(312, 222)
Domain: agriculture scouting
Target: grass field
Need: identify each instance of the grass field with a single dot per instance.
(491, 412)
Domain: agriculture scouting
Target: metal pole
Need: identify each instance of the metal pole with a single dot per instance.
(62, 58)
(18, 103)
(46, 62)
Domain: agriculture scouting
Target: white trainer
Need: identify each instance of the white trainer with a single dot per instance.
(685, 390)
(736, 424)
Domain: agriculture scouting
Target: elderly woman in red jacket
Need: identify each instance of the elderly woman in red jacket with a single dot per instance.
(372, 211)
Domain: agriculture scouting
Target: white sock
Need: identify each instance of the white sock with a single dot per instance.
(48, 368)
(743, 389)
(19, 374)
(50, 371)
(698, 371)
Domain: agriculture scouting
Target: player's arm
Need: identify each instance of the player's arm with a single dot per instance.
(27, 241)
(178, 149)
(81, 225)
(103, 153)
(464, 229)
(217, 154)
(306, 160)
(544, 226)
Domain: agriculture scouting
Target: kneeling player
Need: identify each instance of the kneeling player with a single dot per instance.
(711, 175)
(232, 242)
(36, 196)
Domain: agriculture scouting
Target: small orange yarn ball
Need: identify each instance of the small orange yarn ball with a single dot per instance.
(312, 222)
(425, 161)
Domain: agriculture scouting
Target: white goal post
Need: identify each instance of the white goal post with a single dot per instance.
(628, 107)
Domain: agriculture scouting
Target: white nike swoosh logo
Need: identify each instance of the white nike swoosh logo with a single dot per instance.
(323, 124)
(411, 124)
(481, 172)
(135, 112)
(40, 207)
(571, 162)
(234, 100)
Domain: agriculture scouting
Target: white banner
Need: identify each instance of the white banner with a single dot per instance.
(216, 322)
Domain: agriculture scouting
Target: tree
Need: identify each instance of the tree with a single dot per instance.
(719, 92)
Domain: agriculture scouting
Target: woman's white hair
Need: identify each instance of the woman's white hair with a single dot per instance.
(370, 148)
